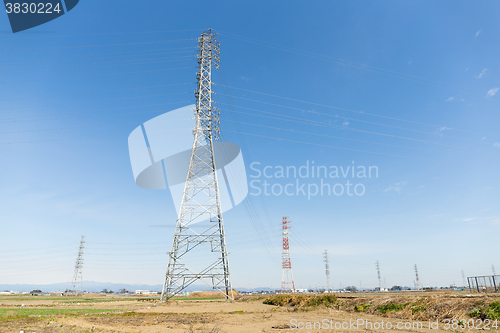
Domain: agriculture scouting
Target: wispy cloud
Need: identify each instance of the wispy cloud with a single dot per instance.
(492, 92)
(478, 32)
(443, 128)
(398, 187)
(450, 99)
(483, 72)
(496, 144)
(346, 123)
(468, 219)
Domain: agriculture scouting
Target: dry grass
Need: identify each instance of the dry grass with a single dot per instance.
(300, 302)
(210, 294)
(408, 307)
(419, 307)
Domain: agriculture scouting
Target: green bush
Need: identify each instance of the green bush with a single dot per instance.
(362, 307)
(391, 307)
(492, 311)
(418, 308)
(301, 300)
(326, 300)
(280, 300)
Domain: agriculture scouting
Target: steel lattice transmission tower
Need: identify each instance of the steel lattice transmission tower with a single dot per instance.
(327, 270)
(378, 274)
(417, 285)
(76, 284)
(201, 199)
(287, 283)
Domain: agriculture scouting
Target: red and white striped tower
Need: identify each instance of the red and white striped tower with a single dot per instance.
(287, 284)
(417, 284)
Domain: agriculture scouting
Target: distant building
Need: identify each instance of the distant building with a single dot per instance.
(146, 292)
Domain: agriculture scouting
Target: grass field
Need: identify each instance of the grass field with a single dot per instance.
(48, 312)
(264, 313)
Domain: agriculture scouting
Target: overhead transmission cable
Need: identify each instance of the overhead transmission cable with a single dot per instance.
(95, 75)
(97, 91)
(353, 64)
(98, 65)
(349, 110)
(69, 58)
(94, 101)
(52, 116)
(350, 149)
(316, 123)
(101, 45)
(364, 121)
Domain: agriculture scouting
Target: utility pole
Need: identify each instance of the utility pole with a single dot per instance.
(287, 283)
(327, 270)
(378, 273)
(417, 285)
(201, 198)
(76, 284)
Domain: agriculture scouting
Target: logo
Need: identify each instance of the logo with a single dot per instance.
(160, 152)
(25, 15)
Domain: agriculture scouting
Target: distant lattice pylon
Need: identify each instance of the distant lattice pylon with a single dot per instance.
(417, 285)
(287, 284)
(327, 269)
(76, 285)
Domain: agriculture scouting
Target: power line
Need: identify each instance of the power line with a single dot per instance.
(308, 122)
(351, 149)
(369, 132)
(95, 75)
(353, 64)
(45, 117)
(249, 204)
(96, 92)
(107, 33)
(94, 101)
(80, 127)
(352, 119)
(349, 110)
(79, 138)
(101, 45)
(77, 57)
(98, 65)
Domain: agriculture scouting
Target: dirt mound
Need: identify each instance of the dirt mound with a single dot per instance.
(209, 294)
(423, 307)
(409, 307)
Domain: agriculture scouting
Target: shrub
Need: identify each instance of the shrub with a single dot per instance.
(417, 309)
(391, 307)
(301, 300)
(492, 311)
(362, 307)
(326, 300)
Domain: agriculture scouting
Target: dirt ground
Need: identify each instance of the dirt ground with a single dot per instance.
(246, 314)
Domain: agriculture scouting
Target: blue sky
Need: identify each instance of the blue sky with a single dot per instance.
(408, 87)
